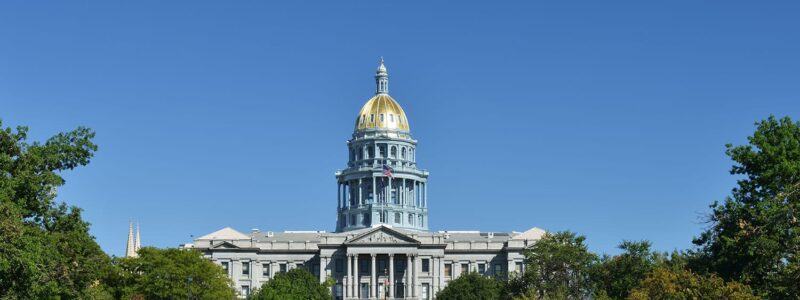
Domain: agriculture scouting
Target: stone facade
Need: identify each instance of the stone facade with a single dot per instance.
(381, 248)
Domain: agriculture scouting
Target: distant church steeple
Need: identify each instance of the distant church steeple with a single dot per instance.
(134, 242)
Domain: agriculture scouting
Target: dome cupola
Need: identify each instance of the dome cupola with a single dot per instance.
(381, 111)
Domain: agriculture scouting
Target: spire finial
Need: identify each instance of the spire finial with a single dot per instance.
(381, 79)
(130, 248)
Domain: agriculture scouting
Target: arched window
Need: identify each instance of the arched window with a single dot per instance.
(372, 118)
(381, 118)
(371, 151)
(382, 149)
(397, 218)
(394, 152)
(362, 118)
(403, 153)
(411, 154)
(391, 118)
(410, 219)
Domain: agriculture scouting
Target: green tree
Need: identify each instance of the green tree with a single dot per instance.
(754, 235)
(668, 284)
(164, 274)
(46, 251)
(471, 286)
(297, 284)
(558, 267)
(617, 275)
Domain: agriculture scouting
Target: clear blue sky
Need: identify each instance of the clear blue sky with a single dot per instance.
(605, 118)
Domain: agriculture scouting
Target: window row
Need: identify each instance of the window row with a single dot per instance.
(368, 152)
(352, 219)
(380, 118)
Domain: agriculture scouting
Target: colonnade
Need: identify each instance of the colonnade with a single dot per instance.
(390, 190)
(409, 279)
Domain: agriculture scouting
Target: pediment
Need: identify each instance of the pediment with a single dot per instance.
(224, 245)
(383, 235)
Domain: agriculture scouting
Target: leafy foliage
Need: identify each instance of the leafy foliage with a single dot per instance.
(558, 267)
(617, 275)
(471, 286)
(665, 283)
(755, 234)
(165, 273)
(45, 249)
(297, 284)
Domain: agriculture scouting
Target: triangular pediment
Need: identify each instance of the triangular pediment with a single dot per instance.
(226, 233)
(383, 235)
(224, 245)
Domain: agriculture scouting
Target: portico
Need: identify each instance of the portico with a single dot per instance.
(382, 263)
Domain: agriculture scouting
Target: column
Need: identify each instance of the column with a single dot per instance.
(425, 199)
(405, 192)
(374, 191)
(373, 289)
(416, 271)
(360, 192)
(321, 269)
(407, 284)
(356, 279)
(441, 273)
(348, 290)
(338, 195)
(389, 190)
(434, 274)
(391, 276)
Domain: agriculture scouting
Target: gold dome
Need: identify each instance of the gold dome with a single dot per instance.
(382, 112)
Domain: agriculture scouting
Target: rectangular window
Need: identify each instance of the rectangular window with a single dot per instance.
(481, 269)
(410, 219)
(225, 267)
(265, 270)
(299, 266)
(498, 269)
(245, 290)
(282, 268)
(382, 267)
(519, 267)
(464, 268)
(448, 270)
(339, 265)
(397, 218)
(426, 265)
(316, 270)
(363, 266)
(245, 268)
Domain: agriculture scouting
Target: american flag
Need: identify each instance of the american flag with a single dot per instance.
(387, 171)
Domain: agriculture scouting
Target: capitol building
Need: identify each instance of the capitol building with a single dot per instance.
(381, 248)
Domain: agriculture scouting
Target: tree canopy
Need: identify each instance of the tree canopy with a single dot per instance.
(169, 274)
(755, 235)
(471, 286)
(617, 275)
(45, 248)
(296, 284)
(666, 283)
(558, 267)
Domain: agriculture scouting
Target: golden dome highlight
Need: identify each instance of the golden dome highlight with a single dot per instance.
(382, 112)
